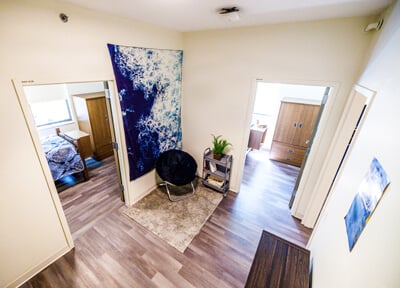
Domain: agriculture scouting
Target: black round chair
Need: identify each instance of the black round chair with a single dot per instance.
(176, 168)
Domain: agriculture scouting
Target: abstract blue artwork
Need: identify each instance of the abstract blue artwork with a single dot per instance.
(149, 87)
(364, 203)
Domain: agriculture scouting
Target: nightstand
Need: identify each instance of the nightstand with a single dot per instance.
(82, 141)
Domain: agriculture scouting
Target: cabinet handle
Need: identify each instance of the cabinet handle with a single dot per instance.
(300, 125)
(307, 141)
(289, 159)
(290, 150)
(295, 125)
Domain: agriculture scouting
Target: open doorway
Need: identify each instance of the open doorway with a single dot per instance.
(74, 131)
(284, 122)
(269, 99)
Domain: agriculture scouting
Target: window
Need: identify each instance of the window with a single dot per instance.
(49, 104)
(51, 112)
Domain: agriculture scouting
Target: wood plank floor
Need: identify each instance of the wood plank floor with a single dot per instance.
(111, 250)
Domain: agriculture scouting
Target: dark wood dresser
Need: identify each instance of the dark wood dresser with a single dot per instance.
(279, 264)
(93, 118)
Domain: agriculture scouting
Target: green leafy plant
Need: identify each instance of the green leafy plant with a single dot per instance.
(219, 146)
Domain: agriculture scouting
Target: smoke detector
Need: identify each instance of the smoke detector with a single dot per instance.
(230, 14)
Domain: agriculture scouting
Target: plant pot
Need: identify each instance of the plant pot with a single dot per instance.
(217, 156)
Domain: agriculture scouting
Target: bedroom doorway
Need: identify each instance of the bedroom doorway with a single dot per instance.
(284, 121)
(78, 115)
(268, 101)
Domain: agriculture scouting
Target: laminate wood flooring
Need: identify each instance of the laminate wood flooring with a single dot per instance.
(87, 202)
(111, 250)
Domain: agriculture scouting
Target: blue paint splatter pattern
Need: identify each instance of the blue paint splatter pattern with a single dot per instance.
(149, 86)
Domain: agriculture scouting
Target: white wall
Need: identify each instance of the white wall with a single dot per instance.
(221, 68)
(36, 45)
(312, 93)
(375, 258)
(85, 87)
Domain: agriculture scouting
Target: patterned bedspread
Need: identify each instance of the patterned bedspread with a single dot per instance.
(62, 157)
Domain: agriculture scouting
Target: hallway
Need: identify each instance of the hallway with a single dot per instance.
(265, 191)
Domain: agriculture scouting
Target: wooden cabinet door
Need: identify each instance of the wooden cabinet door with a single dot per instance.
(305, 125)
(293, 132)
(100, 125)
(286, 125)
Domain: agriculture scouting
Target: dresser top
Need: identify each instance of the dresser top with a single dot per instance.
(91, 95)
(301, 101)
(76, 134)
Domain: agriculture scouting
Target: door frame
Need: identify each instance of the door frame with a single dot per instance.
(116, 148)
(18, 87)
(314, 132)
(334, 88)
(359, 98)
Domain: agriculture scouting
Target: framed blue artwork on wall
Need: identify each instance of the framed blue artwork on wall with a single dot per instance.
(364, 203)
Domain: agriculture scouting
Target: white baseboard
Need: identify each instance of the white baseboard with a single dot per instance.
(38, 268)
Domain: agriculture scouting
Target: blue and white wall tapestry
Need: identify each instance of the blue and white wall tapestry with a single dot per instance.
(149, 87)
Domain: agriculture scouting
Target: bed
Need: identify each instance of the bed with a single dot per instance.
(62, 156)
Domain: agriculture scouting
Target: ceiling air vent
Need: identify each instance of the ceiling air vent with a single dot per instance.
(231, 14)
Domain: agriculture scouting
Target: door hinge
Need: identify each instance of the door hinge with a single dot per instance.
(115, 145)
(122, 195)
(107, 92)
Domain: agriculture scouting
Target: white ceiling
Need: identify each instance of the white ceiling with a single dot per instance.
(192, 15)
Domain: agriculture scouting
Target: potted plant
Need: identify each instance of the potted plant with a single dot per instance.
(219, 146)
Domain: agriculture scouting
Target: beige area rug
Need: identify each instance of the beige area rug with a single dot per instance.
(177, 223)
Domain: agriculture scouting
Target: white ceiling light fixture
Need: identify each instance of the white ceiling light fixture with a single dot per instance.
(230, 14)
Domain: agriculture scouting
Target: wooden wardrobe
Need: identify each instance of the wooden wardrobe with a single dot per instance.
(293, 131)
(92, 114)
